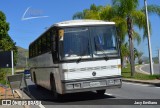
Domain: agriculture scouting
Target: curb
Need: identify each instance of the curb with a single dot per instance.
(22, 95)
(142, 82)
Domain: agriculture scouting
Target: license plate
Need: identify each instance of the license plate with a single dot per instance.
(95, 84)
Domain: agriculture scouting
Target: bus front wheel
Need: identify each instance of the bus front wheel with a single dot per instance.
(53, 87)
(101, 92)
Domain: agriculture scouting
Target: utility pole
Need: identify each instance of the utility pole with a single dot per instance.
(26, 63)
(159, 59)
(159, 56)
(26, 60)
(149, 41)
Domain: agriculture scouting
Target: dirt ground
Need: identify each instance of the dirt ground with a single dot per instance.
(8, 93)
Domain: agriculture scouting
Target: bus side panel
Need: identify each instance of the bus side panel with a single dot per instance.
(41, 68)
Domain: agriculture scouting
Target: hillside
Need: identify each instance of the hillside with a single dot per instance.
(21, 61)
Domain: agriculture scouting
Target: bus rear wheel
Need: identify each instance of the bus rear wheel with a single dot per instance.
(101, 92)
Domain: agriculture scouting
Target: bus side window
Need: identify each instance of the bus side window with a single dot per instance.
(29, 51)
(54, 38)
(33, 50)
(48, 41)
(39, 46)
(36, 48)
(43, 44)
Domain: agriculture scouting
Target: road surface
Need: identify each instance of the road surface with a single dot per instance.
(91, 99)
(156, 68)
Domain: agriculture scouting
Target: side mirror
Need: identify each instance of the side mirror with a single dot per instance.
(61, 34)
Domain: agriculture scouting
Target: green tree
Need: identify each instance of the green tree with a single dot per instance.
(92, 13)
(129, 10)
(6, 43)
(124, 52)
(126, 14)
(138, 54)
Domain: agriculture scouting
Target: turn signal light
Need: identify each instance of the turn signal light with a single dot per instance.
(119, 66)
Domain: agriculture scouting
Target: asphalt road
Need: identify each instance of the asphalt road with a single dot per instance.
(156, 68)
(92, 100)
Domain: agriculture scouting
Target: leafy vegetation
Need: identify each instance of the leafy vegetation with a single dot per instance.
(3, 74)
(21, 59)
(6, 43)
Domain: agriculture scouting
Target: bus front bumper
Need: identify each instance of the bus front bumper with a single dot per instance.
(82, 85)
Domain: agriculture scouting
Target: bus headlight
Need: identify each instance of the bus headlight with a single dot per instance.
(114, 81)
(111, 82)
(117, 81)
(69, 86)
(119, 66)
(78, 85)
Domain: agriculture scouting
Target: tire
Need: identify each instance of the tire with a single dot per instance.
(53, 88)
(101, 92)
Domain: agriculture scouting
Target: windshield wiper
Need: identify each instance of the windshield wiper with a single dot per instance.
(80, 58)
(84, 52)
(101, 49)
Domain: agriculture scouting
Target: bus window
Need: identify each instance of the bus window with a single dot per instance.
(36, 48)
(104, 40)
(48, 41)
(43, 45)
(71, 47)
(39, 46)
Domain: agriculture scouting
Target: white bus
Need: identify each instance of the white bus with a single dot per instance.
(76, 56)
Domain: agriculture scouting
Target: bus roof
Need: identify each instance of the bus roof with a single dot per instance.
(82, 22)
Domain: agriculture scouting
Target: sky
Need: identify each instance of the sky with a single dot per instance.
(24, 30)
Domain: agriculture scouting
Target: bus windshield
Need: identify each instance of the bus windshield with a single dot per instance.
(88, 42)
(104, 40)
(75, 43)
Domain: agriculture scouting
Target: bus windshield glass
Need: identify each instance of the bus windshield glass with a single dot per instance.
(88, 42)
(75, 43)
(104, 41)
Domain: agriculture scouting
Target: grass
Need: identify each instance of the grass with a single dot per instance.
(3, 82)
(3, 73)
(126, 73)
